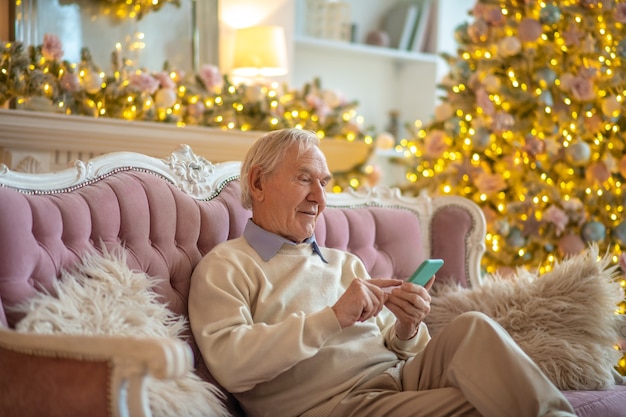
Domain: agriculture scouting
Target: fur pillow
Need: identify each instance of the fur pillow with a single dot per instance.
(102, 296)
(564, 320)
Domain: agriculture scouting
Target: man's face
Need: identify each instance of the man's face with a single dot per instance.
(290, 199)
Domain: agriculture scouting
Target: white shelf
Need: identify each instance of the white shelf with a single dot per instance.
(367, 50)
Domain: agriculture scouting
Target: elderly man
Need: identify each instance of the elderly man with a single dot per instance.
(293, 329)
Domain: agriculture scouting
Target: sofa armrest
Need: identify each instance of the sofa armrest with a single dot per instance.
(84, 375)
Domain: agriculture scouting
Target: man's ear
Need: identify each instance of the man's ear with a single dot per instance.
(256, 183)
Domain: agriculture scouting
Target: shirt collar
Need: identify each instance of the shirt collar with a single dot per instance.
(267, 244)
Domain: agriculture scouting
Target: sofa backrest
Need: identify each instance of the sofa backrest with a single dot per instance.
(166, 214)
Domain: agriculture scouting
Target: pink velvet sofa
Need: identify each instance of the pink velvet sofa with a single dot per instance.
(166, 214)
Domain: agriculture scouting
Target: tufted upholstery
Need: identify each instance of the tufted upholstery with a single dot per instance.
(166, 232)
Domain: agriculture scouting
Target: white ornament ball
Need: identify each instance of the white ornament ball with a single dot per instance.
(578, 153)
(165, 98)
(92, 82)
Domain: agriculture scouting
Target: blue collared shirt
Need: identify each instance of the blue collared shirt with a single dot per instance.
(267, 244)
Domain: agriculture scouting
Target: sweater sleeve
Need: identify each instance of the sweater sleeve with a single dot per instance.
(239, 352)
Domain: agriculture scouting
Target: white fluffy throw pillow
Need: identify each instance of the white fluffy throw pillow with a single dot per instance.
(102, 296)
(564, 320)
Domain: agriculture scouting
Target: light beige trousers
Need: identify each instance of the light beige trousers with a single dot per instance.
(471, 368)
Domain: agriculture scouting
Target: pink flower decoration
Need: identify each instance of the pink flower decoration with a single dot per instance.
(435, 144)
(52, 48)
(211, 77)
(582, 88)
(557, 217)
(321, 108)
(165, 81)
(144, 82)
(490, 183)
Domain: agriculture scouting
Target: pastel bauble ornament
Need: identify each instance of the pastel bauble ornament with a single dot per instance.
(196, 109)
(570, 244)
(611, 106)
(509, 46)
(578, 153)
(529, 30)
(550, 15)
(165, 98)
(619, 233)
(515, 238)
(593, 231)
(546, 98)
(92, 82)
(597, 172)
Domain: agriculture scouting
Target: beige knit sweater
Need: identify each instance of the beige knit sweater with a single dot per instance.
(268, 334)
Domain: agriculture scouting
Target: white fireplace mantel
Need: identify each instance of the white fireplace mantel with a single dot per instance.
(44, 142)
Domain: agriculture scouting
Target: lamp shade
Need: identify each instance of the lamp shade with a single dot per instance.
(260, 51)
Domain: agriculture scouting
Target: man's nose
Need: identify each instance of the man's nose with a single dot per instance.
(318, 193)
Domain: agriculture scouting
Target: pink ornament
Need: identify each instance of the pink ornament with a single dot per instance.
(70, 82)
(435, 144)
(529, 30)
(597, 173)
(570, 245)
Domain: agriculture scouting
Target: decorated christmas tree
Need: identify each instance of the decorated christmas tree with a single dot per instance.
(531, 127)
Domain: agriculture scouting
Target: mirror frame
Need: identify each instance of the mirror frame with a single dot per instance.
(23, 19)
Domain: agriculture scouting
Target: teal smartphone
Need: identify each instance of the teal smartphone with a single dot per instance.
(425, 271)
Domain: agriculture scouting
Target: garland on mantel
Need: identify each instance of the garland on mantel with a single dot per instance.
(37, 78)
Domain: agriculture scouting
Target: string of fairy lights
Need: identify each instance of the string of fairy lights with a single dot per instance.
(530, 127)
(37, 78)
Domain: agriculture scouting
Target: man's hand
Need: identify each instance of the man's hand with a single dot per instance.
(362, 300)
(410, 303)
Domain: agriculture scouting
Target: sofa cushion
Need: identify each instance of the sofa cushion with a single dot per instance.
(102, 296)
(564, 320)
(605, 403)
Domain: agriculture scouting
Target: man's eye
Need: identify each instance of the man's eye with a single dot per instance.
(304, 180)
